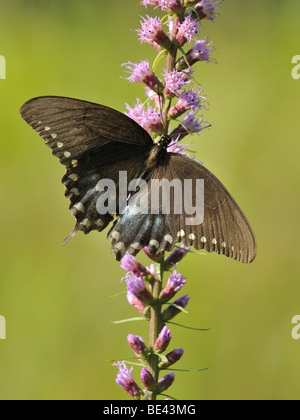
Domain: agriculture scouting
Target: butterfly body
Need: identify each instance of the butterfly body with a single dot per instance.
(97, 143)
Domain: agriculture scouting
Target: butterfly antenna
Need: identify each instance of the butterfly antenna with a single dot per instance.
(161, 105)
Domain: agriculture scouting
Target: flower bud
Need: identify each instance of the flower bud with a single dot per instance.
(174, 284)
(163, 340)
(129, 263)
(165, 382)
(137, 304)
(172, 311)
(138, 345)
(177, 255)
(137, 287)
(126, 381)
(147, 379)
(157, 258)
(172, 357)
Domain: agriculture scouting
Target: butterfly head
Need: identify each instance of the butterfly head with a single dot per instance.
(164, 142)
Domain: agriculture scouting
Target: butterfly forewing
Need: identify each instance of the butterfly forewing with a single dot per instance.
(73, 127)
(93, 142)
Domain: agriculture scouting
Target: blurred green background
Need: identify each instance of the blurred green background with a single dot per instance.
(56, 300)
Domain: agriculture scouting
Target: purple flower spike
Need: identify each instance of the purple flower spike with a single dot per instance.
(126, 381)
(153, 33)
(172, 311)
(129, 263)
(138, 345)
(177, 255)
(174, 284)
(175, 81)
(142, 73)
(187, 30)
(165, 382)
(147, 379)
(172, 357)
(137, 287)
(163, 340)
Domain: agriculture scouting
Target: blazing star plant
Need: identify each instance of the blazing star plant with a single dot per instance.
(172, 97)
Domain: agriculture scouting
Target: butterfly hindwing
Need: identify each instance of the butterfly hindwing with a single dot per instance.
(145, 226)
(225, 229)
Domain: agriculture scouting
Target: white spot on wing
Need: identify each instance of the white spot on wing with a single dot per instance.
(203, 239)
(120, 246)
(86, 222)
(73, 177)
(79, 207)
(75, 191)
(115, 235)
(192, 236)
(168, 238)
(99, 223)
(154, 243)
(67, 154)
(214, 241)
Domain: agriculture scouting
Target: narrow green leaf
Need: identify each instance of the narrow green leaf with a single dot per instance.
(117, 295)
(178, 307)
(184, 56)
(159, 56)
(168, 396)
(190, 328)
(129, 320)
(135, 364)
(186, 370)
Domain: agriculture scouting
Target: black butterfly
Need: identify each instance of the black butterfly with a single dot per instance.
(96, 142)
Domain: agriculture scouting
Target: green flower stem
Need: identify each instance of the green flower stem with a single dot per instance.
(171, 60)
(155, 326)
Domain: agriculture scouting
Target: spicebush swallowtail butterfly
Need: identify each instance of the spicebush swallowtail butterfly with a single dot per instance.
(96, 142)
